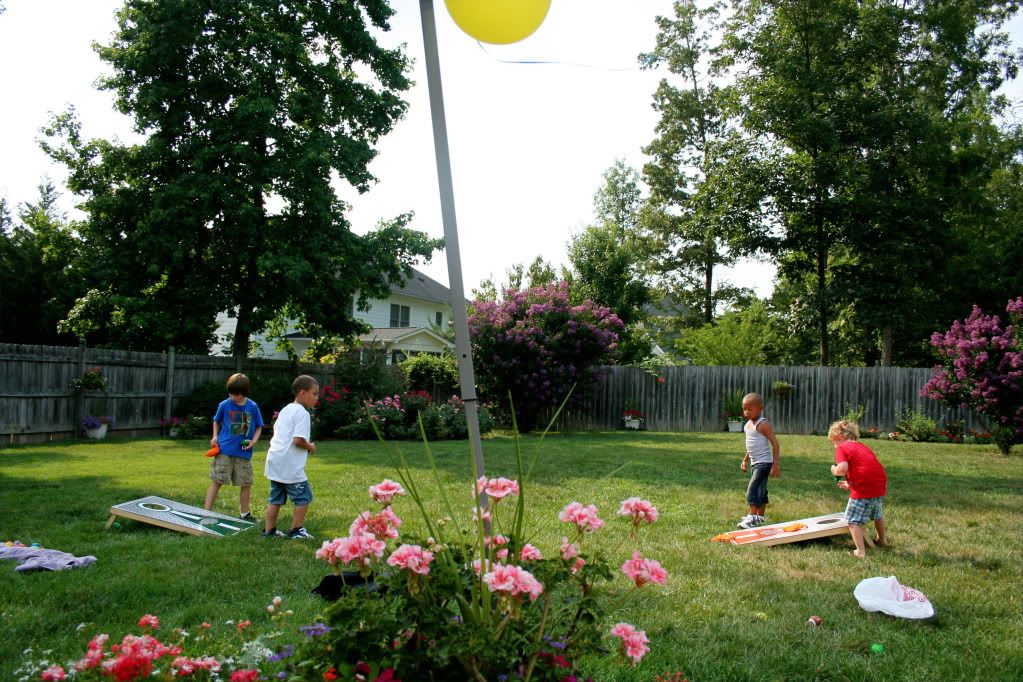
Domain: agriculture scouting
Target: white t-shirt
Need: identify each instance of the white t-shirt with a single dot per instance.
(285, 463)
(757, 445)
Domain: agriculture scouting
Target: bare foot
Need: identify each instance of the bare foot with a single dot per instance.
(858, 555)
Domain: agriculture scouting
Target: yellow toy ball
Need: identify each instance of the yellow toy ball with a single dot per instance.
(498, 21)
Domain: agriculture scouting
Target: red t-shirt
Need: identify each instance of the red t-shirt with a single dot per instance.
(866, 476)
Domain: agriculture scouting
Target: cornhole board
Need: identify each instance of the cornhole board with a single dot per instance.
(178, 516)
(775, 534)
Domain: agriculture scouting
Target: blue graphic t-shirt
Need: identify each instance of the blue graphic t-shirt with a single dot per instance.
(237, 423)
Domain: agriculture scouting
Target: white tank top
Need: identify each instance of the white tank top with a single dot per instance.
(757, 445)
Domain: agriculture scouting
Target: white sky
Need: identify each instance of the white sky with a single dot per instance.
(528, 142)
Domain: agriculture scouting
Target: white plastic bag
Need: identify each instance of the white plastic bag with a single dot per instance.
(888, 595)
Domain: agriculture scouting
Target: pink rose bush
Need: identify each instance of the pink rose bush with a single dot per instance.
(484, 591)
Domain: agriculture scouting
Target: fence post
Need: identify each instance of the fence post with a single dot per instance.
(168, 398)
(79, 397)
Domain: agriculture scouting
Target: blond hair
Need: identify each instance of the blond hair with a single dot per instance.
(845, 429)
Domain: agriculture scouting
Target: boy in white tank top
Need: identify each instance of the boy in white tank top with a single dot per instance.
(763, 458)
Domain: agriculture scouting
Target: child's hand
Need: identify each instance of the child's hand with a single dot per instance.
(844, 485)
(775, 471)
(213, 441)
(312, 448)
(743, 465)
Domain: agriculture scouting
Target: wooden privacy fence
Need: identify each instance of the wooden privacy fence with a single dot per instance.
(37, 400)
(689, 398)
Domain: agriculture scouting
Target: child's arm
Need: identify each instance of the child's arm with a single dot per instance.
(216, 432)
(300, 442)
(765, 428)
(745, 462)
(840, 469)
(254, 439)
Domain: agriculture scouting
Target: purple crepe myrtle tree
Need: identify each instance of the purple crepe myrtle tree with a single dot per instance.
(982, 369)
(536, 345)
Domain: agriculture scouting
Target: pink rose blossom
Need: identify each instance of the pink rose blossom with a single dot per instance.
(411, 558)
(513, 580)
(54, 672)
(481, 484)
(384, 524)
(644, 571)
(385, 491)
(360, 549)
(584, 518)
(578, 565)
(639, 510)
(569, 550)
(328, 551)
(634, 642)
(530, 553)
(149, 621)
(499, 488)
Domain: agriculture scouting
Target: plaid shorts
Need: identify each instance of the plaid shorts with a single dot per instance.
(858, 512)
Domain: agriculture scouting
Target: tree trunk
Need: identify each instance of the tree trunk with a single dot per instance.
(708, 291)
(822, 302)
(887, 343)
(242, 332)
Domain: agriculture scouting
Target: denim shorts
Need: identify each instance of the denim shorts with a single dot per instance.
(858, 512)
(756, 493)
(300, 494)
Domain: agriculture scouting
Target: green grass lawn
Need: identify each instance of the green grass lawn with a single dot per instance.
(953, 514)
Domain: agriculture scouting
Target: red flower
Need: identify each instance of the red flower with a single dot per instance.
(387, 675)
(330, 675)
(245, 676)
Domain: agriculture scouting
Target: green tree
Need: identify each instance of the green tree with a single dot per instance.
(606, 258)
(866, 106)
(739, 337)
(39, 270)
(248, 110)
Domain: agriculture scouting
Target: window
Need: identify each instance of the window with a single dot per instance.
(399, 315)
(396, 357)
(440, 319)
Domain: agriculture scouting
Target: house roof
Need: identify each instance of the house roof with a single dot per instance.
(421, 286)
(388, 335)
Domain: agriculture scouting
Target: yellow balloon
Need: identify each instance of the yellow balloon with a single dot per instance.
(498, 21)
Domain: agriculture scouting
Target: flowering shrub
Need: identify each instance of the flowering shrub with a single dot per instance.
(982, 369)
(341, 415)
(478, 602)
(633, 414)
(536, 346)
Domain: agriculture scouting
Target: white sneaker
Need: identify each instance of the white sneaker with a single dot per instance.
(300, 533)
(743, 520)
(751, 522)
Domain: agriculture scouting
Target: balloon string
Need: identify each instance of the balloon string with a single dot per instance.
(555, 63)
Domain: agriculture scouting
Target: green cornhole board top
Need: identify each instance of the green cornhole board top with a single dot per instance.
(184, 518)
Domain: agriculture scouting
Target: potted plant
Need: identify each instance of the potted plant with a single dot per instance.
(92, 379)
(781, 388)
(172, 424)
(632, 418)
(731, 409)
(96, 427)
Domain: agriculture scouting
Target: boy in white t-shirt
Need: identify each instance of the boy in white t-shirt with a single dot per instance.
(286, 458)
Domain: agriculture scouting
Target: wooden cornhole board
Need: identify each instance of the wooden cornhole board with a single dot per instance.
(178, 516)
(775, 534)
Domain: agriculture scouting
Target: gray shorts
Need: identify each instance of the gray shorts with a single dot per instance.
(231, 470)
(300, 494)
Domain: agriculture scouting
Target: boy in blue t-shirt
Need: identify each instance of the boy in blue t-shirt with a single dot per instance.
(236, 429)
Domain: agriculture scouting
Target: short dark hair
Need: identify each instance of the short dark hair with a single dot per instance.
(303, 382)
(238, 384)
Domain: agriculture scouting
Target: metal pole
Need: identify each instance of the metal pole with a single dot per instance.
(466, 376)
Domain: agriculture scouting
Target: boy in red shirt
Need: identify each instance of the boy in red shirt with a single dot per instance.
(865, 480)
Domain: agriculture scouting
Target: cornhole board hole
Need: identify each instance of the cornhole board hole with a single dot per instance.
(789, 531)
(183, 518)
